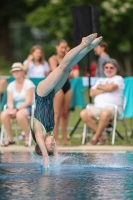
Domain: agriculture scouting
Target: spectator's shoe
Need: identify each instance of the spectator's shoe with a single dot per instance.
(101, 141)
(7, 143)
(92, 142)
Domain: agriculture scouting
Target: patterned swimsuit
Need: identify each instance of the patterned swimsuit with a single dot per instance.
(44, 111)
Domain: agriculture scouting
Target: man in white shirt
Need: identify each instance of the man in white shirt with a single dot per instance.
(107, 93)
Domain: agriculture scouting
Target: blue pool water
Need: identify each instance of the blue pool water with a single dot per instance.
(73, 176)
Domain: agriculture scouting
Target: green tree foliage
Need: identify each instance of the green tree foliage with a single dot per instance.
(115, 19)
(116, 26)
(13, 11)
(54, 18)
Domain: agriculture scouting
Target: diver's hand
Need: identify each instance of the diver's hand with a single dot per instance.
(46, 162)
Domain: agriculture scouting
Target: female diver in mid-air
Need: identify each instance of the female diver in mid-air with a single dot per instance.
(42, 130)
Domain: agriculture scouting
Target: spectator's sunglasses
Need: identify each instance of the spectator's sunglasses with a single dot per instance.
(17, 71)
(109, 67)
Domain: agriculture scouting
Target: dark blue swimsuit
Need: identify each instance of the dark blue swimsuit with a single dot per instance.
(44, 111)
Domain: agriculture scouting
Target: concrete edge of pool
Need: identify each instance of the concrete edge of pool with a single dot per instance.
(83, 148)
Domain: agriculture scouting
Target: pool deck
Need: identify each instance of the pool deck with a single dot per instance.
(83, 148)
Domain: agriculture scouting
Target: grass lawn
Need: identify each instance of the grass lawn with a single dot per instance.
(77, 135)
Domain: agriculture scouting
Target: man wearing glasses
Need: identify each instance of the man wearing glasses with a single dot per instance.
(107, 93)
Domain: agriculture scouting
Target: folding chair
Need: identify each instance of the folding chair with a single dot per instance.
(114, 121)
(15, 127)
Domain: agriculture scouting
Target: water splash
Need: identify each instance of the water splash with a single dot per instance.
(54, 162)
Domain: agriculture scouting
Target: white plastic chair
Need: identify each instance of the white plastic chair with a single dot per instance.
(121, 117)
(15, 126)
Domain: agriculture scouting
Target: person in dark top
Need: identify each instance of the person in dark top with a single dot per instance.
(43, 125)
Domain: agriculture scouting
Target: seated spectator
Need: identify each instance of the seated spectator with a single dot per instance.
(3, 84)
(35, 65)
(107, 92)
(20, 96)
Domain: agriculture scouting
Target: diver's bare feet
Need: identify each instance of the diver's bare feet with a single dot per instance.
(88, 40)
(95, 42)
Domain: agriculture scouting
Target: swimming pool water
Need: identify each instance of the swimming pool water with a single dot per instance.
(73, 176)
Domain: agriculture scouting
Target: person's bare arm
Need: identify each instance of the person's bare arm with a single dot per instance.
(52, 63)
(28, 100)
(109, 87)
(39, 135)
(103, 88)
(95, 92)
(41, 143)
(10, 104)
(29, 59)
